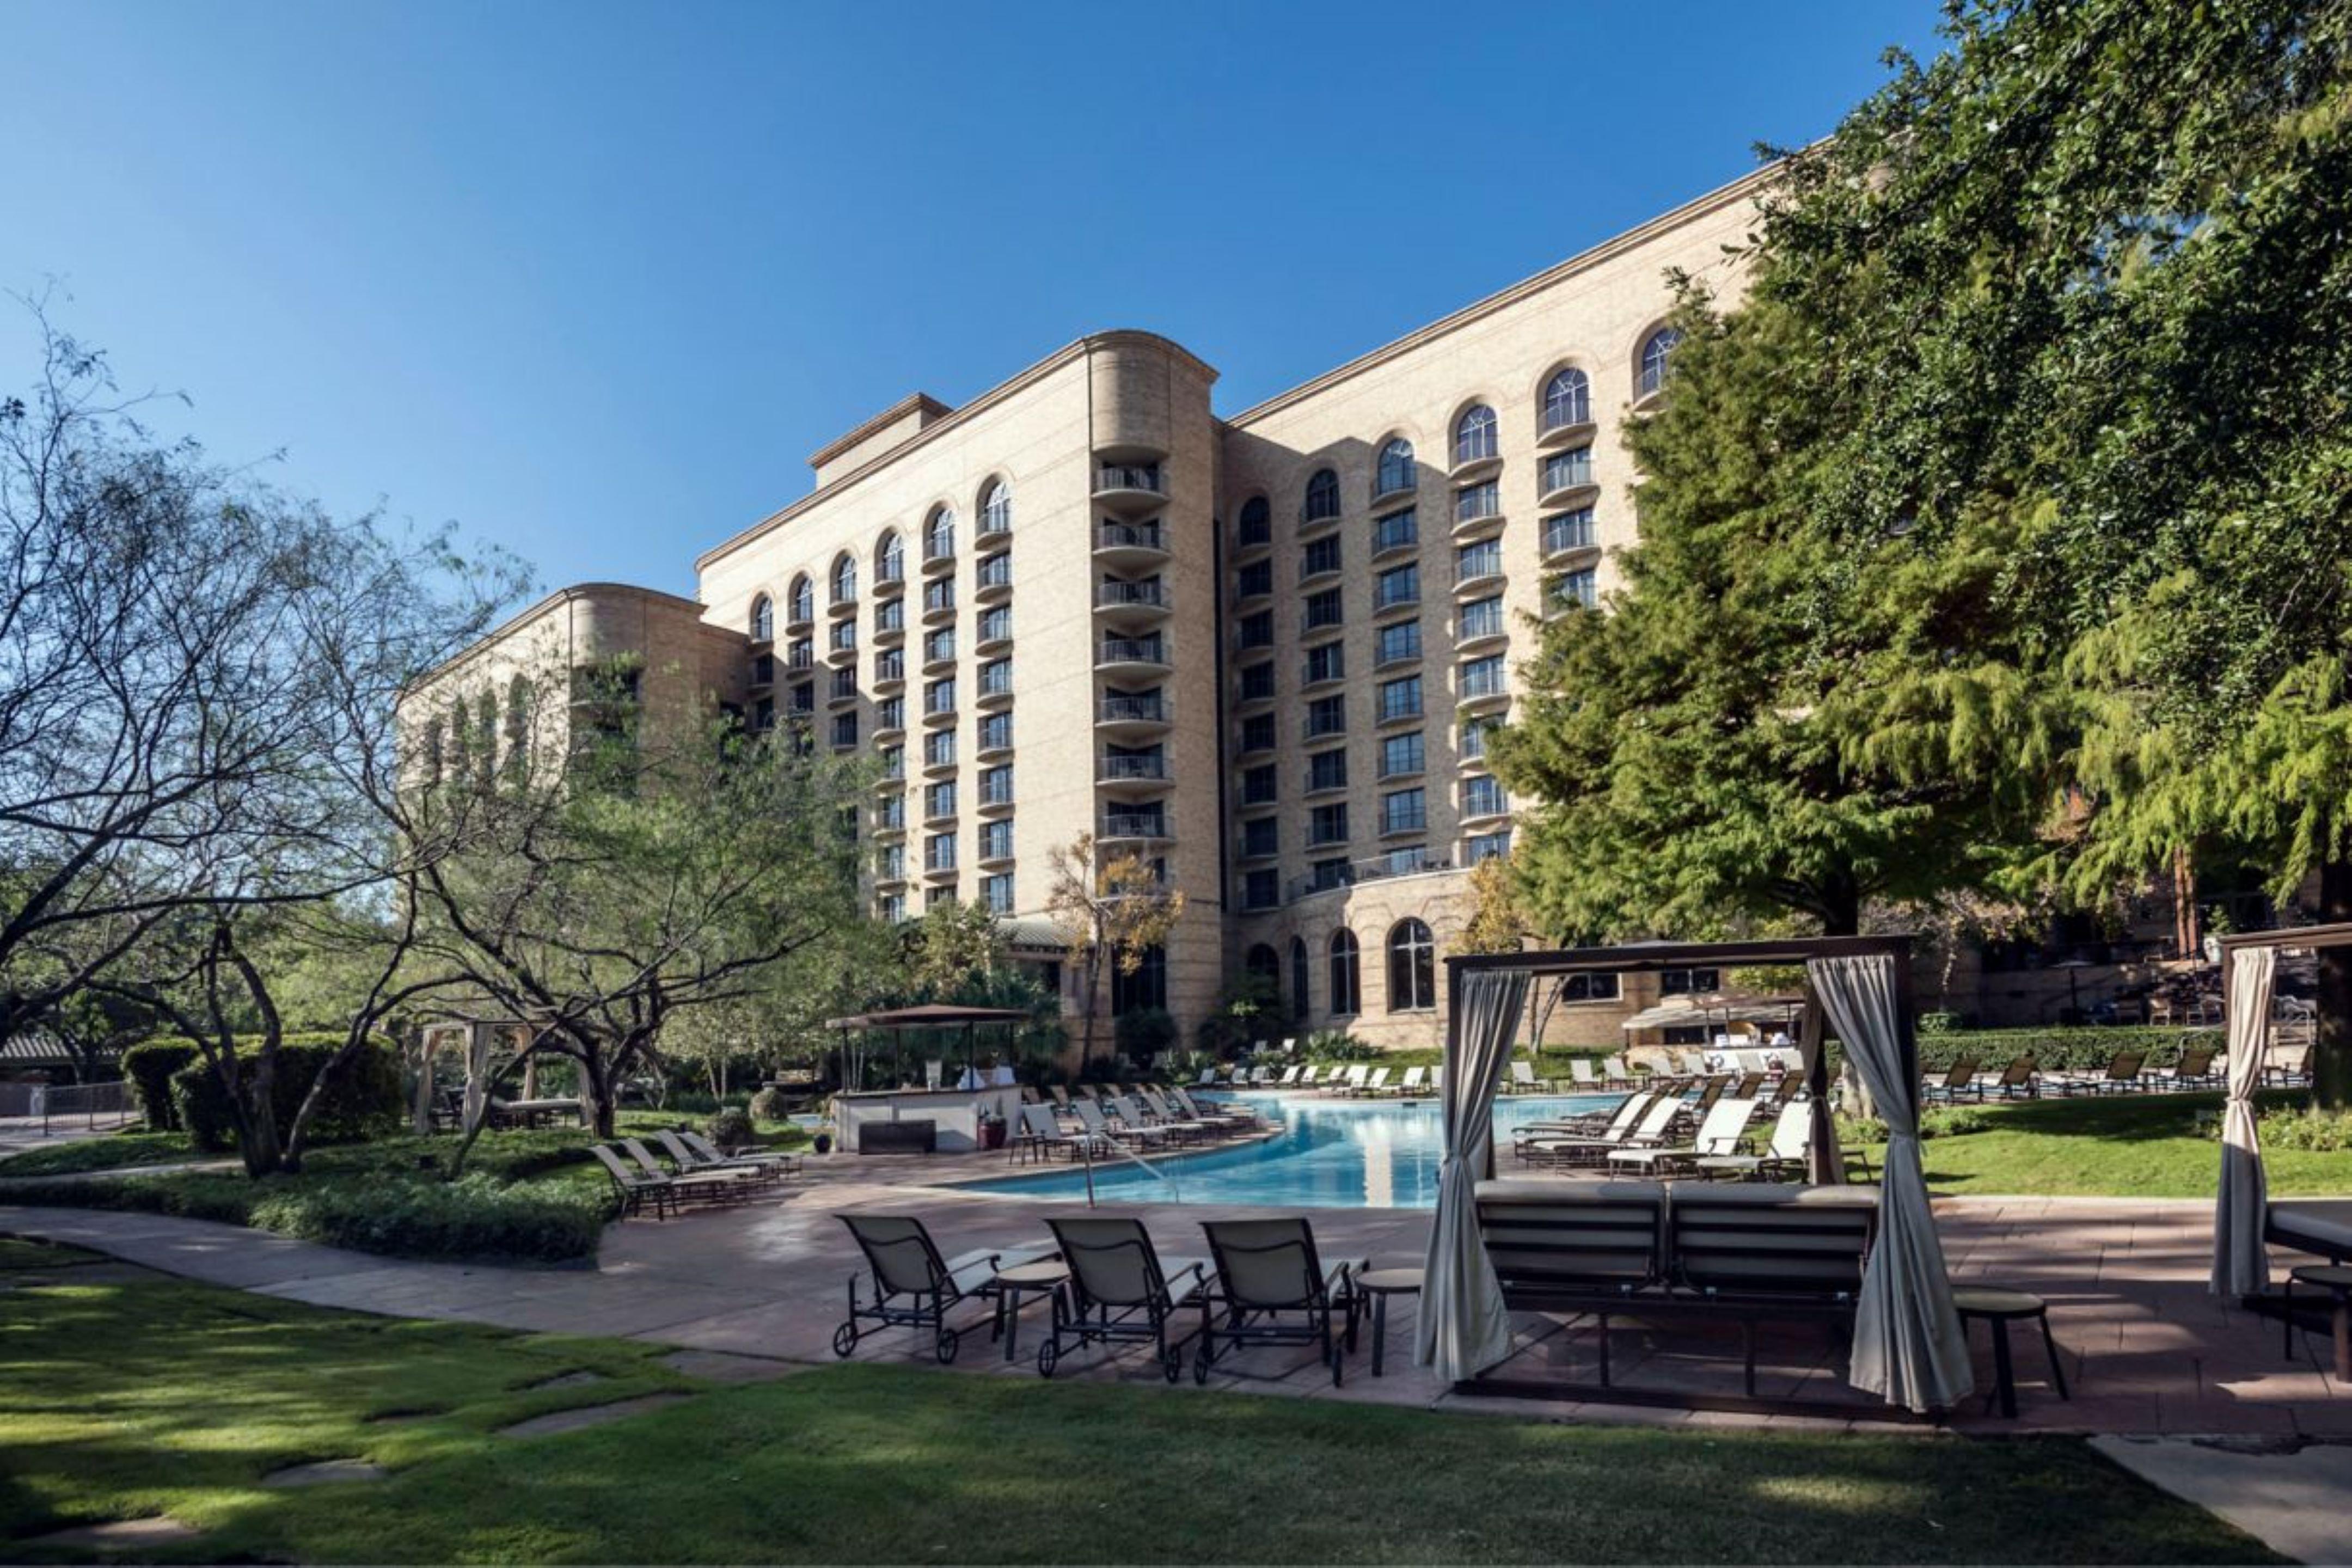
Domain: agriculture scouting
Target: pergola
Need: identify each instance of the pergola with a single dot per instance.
(930, 1017)
(1907, 1342)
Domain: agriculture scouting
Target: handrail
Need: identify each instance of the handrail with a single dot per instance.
(1087, 1150)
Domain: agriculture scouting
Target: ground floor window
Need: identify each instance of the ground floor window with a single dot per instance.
(1346, 994)
(1413, 967)
(1144, 989)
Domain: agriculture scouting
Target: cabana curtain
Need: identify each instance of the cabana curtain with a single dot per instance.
(1465, 1328)
(1909, 1346)
(2240, 1265)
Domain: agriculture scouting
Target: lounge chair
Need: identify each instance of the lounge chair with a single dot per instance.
(1289, 1076)
(1121, 1291)
(1784, 1153)
(1958, 1079)
(1720, 1133)
(1375, 1083)
(1272, 1289)
(689, 1160)
(1615, 1074)
(2018, 1081)
(2287, 1070)
(713, 1183)
(2122, 1073)
(1593, 1124)
(1524, 1079)
(1208, 1076)
(637, 1189)
(1307, 1079)
(775, 1160)
(1039, 1133)
(1656, 1123)
(1222, 1117)
(1105, 1122)
(1346, 1081)
(1147, 1105)
(1580, 1073)
(1416, 1081)
(2194, 1070)
(913, 1286)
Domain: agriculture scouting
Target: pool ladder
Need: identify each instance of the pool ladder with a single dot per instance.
(1086, 1153)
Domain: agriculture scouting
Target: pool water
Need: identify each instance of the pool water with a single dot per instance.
(1330, 1154)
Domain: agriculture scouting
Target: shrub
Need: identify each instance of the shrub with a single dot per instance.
(1144, 1033)
(1339, 1045)
(1935, 1121)
(363, 1099)
(2310, 1128)
(770, 1105)
(730, 1129)
(2055, 1048)
(147, 1070)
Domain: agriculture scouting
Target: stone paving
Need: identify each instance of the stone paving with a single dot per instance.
(2147, 1351)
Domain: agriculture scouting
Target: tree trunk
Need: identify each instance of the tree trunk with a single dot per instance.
(257, 1129)
(2331, 1056)
(1840, 910)
(596, 1092)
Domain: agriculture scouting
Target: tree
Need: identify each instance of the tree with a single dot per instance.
(638, 872)
(1771, 718)
(2091, 265)
(1107, 908)
(953, 948)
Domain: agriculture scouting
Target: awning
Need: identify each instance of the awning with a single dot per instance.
(1698, 1012)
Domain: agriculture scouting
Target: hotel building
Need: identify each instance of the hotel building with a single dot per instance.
(1259, 650)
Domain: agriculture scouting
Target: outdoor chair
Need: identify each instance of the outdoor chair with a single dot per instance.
(777, 1160)
(636, 1188)
(1098, 1125)
(1231, 1117)
(2193, 1070)
(1208, 1076)
(1307, 1079)
(1720, 1133)
(1783, 1153)
(2287, 1070)
(1289, 1076)
(717, 1185)
(1416, 1081)
(1375, 1084)
(2020, 1079)
(2122, 1072)
(689, 1160)
(1615, 1074)
(1580, 1073)
(1655, 1122)
(913, 1286)
(1960, 1079)
(1039, 1135)
(1592, 1125)
(1272, 1289)
(1164, 1116)
(1121, 1291)
(1524, 1079)
(1345, 1082)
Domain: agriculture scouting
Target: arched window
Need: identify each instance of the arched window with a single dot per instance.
(1264, 965)
(845, 579)
(763, 619)
(1568, 399)
(996, 508)
(1257, 522)
(804, 601)
(1347, 974)
(1413, 967)
(1655, 355)
(939, 536)
(517, 728)
(1475, 435)
(890, 558)
(1298, 977)
(1396, 471)
(1322, 496)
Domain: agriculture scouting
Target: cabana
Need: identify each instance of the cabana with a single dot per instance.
(932, 1115)
(1909, 1346)
(2244, 1220)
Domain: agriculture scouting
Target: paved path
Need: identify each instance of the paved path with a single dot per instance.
(20, 1133)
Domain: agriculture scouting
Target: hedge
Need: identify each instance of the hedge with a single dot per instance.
(361, 1098)
(147, 1070)
(2054, 1049)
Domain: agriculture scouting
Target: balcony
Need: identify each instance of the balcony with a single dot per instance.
(939, 870)
(937, 813)
(992, 582)
(1396, 863)
(1132, 604)
(800, 617)
(1489, 625)
(889, 675)
(1132, 656)
(1475, 464)
(1479, 573)
(1131, 489)
(1135, 826)
(938, 764)
(1480, 806)
(1315, 523)
(1568, 479)
(1122, 713)
(1395, 536)
(889, 577)
(1131, 546)
(1141, 775)
(891, 823)
(996, 693)
(842, 606)
(841, 697)
(841, 653)
(994, 800)
(938, 610)
(938, 557)
(1567, 536)
(1562, 431)
(890, 875)
(1476, 510)
(1399, 713)
(1404, 824)
(939, 714)
(889, 625)
(996, 741)
(889, 725)
(1483, 688)
(1401, 599)
(995, 855)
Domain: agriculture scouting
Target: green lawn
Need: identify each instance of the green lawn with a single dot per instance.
(2144, 1146)
(122, 1399)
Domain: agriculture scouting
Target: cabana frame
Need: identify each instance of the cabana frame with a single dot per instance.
(1824, 1163)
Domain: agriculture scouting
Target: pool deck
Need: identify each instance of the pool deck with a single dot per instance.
(2146, 1349)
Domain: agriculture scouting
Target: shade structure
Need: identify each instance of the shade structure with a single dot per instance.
(1464, 1327)
(2241, 1265)
(1696, 1011)
(1908, 1345)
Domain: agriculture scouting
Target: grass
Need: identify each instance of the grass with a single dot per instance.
(2145, 1145)
(116, 1151)
(127, 1399)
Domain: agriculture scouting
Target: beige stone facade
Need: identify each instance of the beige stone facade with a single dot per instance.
(1084, 602)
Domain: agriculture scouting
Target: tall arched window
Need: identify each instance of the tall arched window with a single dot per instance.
(996, 508)
(1262, 965)
(1396, 471)
(763, 619)
(890, 558)
(1413, 967)
(1654, 357)
(1322, 496)
(803, 600)
(939, 536)
(845, 579)
(1347, 974)
(1298, 977)
(1475, 435)
(1256, 521)
(1568, 399)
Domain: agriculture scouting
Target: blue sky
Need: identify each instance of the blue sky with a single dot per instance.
(593, 279)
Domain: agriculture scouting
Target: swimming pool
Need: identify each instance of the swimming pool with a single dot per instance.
(1330, 1154)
